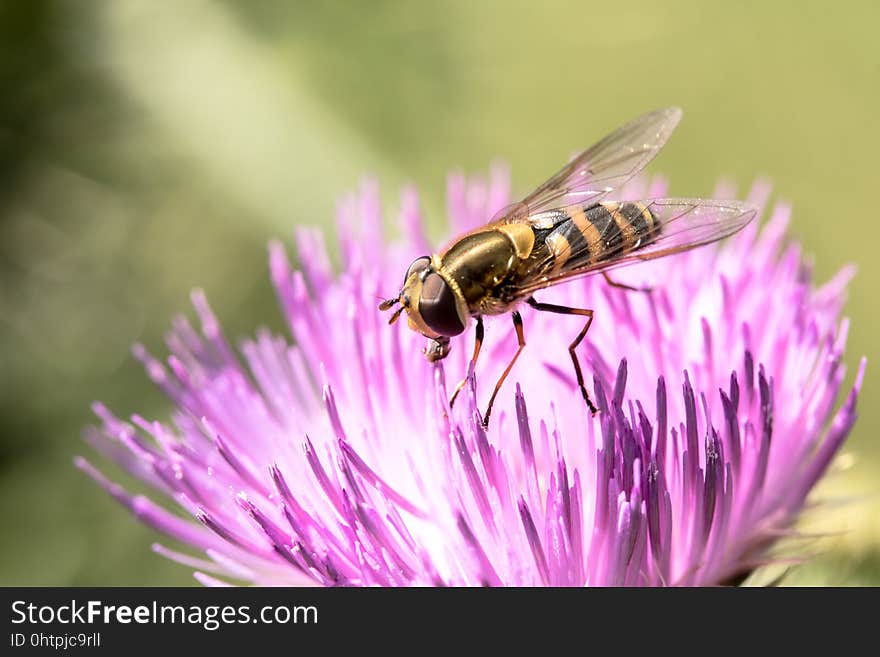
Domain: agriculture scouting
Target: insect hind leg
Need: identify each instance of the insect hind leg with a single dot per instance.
(583, 312)
(624, 286)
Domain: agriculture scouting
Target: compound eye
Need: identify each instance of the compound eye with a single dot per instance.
(418, 265)
(438, 308)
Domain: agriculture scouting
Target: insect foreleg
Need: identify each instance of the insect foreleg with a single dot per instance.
(518, 325)
(478, 342)
(565, 310)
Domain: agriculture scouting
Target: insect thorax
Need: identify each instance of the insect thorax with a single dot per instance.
(479, 264)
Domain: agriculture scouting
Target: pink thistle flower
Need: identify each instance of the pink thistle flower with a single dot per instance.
(336, 460)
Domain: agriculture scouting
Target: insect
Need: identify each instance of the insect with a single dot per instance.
(564, 229)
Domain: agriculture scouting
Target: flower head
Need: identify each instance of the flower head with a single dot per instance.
(336, 459)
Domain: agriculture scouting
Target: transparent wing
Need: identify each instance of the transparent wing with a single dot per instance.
(603, 167)
(680, 225)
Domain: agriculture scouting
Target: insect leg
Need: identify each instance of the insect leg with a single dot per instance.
(565, 310)
(518, 325)
(478, 342)
(623, 286)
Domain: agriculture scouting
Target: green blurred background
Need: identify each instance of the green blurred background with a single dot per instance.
(147, 148)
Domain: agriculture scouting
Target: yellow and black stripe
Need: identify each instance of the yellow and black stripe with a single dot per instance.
(584, 236)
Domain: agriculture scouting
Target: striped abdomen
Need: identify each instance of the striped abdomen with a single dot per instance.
(583, 236)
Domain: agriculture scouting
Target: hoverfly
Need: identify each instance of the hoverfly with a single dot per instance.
(562, 230)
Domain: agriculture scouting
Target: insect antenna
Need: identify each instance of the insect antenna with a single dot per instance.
(388, 304)
(395, 315)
